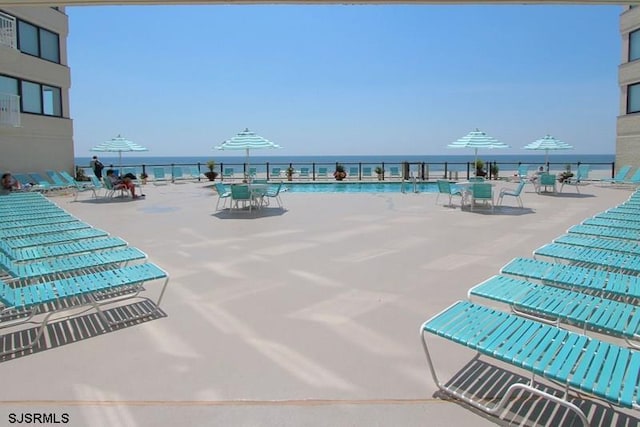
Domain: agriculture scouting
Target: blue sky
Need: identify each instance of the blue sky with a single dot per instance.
(325, 80)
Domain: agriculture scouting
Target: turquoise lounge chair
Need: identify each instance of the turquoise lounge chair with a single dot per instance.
(304, 173)
(619, 176)
(601, 258)
(354, 172)
(367, 172)
(595, 281)
(579, 363)
(275, 173)
(65, 297)
(159, 176)
(323, 172)
(549, 303)
(581, 175)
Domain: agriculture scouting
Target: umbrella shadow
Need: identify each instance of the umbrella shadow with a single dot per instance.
(501, 210)
(109, 200)
(245, 214)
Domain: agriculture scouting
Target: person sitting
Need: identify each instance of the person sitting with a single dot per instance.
(535, 179)
(122, 183)
(9, 183)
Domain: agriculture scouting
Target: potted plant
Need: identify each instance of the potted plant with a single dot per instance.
(379, 172)
(340, 172)
(494, 169)
(211, 174)
(566, 175)
(290, 171)
(479, 167)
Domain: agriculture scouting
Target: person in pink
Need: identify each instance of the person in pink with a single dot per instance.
(122, 183)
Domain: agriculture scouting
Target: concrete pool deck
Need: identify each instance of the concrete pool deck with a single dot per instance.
(302, 316)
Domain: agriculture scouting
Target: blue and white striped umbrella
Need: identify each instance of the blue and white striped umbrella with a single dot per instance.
(548, 143)
(247, 140)
(118, 144)
(477, 139)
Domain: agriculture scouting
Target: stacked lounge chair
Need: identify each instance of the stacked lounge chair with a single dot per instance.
(560, 318)
(51, 270)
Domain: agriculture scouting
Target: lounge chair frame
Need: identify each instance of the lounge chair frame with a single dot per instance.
(575, 361)
(500, 406)
(55, 300)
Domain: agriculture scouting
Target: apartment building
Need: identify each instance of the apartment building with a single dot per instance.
(628, 125)
(36, 131)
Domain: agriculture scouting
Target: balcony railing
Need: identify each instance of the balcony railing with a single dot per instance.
(9, 110)
(8, 31)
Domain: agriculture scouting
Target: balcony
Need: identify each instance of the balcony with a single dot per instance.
(8, 31)
(9, 110)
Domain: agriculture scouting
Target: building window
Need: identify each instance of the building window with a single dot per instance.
(41, 99)
(38, 42)
(633, 98)
(28, 38)
(8, 85)
(634, 45)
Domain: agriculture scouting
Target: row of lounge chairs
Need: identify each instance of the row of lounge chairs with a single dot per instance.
(571, 315)
(54, 266)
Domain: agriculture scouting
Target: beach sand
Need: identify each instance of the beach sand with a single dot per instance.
(302, 316)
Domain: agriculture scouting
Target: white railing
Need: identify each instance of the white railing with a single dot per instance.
(8, 31)
(9, 110)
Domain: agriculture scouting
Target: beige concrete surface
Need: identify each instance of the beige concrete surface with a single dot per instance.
(303, 316)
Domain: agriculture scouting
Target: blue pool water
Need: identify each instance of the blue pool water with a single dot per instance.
(359, 187)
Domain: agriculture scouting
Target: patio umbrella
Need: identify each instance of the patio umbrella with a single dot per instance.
(247, 140)
(477, 139)
(118, 144)
(548, 143)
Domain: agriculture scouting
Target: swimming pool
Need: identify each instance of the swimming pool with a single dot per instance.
(359, 187)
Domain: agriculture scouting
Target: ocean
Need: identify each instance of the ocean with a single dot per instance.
(602, 162)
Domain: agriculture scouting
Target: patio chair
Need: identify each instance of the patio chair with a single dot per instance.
(514, 193)
(523, 172)
(223, 194)
(304, 173)
(354, 172)
(445, 187)
(367, 172)
(274, 193)
(253, 172)
(110, 190)
(394, 171)
(581, 175)
(481, 192)
(546, 180)
(241, 193)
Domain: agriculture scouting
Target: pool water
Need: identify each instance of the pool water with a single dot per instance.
(359, 187)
